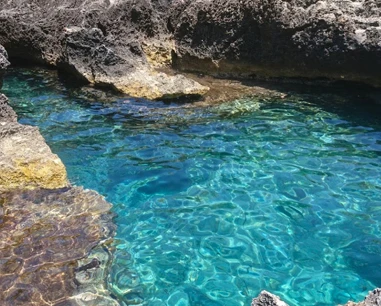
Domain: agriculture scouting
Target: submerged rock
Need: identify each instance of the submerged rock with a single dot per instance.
(26, 161)
(43, 234)
(372, 299)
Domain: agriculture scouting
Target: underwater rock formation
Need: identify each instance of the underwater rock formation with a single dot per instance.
(42, 235)
(372, 299)
(122, 43)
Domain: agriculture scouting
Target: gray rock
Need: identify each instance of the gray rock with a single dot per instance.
(266, 298)
(4, 63)
(108, 42)
(6, 111)
(277, 38)
(99, 42)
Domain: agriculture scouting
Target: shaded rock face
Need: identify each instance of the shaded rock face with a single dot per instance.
(26, 161)
(42, 235)
(332, 38)
(114, 43)
(4, 63)
(6, 111)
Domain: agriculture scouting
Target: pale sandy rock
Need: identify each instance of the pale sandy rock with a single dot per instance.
(26, 161)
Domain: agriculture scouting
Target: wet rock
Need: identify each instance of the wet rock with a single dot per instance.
(6, 111)
(266, 298)
(43, 234)
(26, 161)
(372, 299)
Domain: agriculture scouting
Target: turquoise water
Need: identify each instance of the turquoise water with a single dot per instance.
(216, 204)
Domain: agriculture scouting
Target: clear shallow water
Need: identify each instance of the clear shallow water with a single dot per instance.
(215, 205)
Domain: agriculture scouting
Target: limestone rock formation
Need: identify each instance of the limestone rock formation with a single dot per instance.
(6, 111)
(26, 161)
(277, 38)
(114, 43)
(4, 63)
(266, 298)
(43, 234)
(99, 41)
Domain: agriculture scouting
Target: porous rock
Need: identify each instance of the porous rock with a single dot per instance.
(43, 234)
(266, 298)
(26, 161)
(6, 111)
(334, 39)
(106, 42)
(4, 63)
(99, 41)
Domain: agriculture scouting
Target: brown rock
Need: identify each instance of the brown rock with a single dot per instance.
(42, 235)
(6, 111)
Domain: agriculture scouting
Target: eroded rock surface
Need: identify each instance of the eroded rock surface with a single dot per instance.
(98, 41)
(26, 161)
(6, 111)
(266, 298)
(42, 235)
(276, 38)
(114, 43)
(4, 63)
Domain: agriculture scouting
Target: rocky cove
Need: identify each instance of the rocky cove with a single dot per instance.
(138, 48)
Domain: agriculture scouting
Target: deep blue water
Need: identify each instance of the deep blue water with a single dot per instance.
(216, 204)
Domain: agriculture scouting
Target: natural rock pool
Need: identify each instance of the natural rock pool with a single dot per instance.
(216, 204)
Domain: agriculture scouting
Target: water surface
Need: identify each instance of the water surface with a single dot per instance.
(216, 204)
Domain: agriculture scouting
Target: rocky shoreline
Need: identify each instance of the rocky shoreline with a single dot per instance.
(49, 230)
(125, 44)
(129, 46)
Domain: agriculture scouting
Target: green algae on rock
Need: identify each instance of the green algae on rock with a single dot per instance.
(42, 235)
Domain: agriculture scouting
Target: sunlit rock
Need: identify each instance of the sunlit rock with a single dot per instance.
(26, 161)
